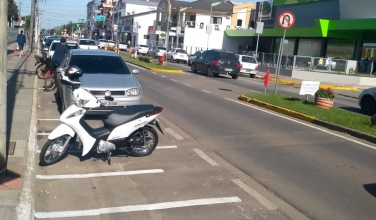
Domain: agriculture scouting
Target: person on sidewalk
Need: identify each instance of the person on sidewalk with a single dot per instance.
(60, 51)
(21, 41)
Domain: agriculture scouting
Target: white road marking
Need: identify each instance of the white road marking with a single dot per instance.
(43, 134)
(308, 125)
(188, 73)
(188, 85)
(154, 72)
(205, 157)
(174, 80)
(163, 76)
(254, 91)
(202, 77)
(174, 134)
(255, 195)
(167, 147)
(205, 91)
(137, 208)
(92, 175)
(136, 66)
(48, 119)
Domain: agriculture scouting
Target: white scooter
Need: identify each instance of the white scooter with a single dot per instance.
(126, 129)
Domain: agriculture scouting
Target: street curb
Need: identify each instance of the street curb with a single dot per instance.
(310, 119)
(277, 109)
(158, 70)
(25, 207)
(295, 83)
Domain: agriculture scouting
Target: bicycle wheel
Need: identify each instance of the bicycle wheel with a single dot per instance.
(50, 82)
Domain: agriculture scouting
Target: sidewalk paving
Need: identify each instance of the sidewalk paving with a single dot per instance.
(20, 87)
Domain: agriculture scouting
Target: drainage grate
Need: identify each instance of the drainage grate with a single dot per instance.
(11, 145)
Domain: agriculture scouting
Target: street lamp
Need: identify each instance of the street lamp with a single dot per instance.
(179, 25)
(210, 19)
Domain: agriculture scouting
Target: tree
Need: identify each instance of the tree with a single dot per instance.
(12, 12)
(27, 22)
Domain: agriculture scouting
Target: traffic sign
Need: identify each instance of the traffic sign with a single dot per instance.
(286, 20)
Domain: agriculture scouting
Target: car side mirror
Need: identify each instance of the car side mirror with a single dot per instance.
(135, 71)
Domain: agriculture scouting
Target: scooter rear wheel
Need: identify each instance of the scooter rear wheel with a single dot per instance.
(151, 142)
(53, 151)
(40, 71)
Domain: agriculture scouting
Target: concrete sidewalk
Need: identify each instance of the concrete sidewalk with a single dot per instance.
(20, 87)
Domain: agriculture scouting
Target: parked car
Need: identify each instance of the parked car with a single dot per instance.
(194, 56)
(367, 101)
(47, 45)
(156, 51)
(249, 65)
(69, 44)
(103, 72)
(102, 43)
(177, 55)
(87, 44)
(142, 49)
(215, 62)
(123, 46)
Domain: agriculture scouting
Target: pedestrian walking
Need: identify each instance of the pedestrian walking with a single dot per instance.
(21, 41)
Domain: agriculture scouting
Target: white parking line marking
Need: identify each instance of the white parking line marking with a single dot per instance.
(48, 119)
(92, 175)
(205, 157)
(154, 72)
(188, 85)
(188, 73)
(167, 147)
(202, 77)
(163, 76)
(43, 134)
(308, 125)
(137, 208)
(174, 134)
(205, 91)
(255, 195)
(174, 80)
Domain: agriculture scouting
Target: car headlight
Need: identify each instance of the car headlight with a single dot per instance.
(132, 92)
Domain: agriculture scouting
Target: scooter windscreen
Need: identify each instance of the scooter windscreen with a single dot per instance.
(85, 99)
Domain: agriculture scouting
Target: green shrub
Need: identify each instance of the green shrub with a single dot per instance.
(145, 59)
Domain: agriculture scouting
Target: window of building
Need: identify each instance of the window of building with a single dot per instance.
(192, 17)
(343, 49)
(239, 23)
(309, 47)
(216, 20)
(288, 48)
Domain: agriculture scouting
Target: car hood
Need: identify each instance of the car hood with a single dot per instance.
(369, 90)
(99, 81)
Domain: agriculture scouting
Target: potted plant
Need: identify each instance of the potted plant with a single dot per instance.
(324, 98)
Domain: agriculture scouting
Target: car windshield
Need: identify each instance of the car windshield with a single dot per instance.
(162, 48)
(72, 45)
(87, 42)
(91, 64)
(248, 59)
(181, 51)
(226, 56)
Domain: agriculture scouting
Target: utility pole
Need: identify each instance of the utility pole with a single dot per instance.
(36, 23)
(32, 21)
(3, 87)
(168, 14)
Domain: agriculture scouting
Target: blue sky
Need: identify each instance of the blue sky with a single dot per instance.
(57, 12)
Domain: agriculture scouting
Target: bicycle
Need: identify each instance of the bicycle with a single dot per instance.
(50, 75)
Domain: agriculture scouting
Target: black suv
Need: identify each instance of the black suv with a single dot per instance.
(215, 62)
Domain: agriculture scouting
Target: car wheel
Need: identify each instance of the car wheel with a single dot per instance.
(189, 63)
(193, 68)
(209, 71)
(252, 75)
(235, 76)
(368, 105)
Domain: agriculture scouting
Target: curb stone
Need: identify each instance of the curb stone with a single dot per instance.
(310, 119)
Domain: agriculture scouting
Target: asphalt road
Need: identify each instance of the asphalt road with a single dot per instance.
(219, 159)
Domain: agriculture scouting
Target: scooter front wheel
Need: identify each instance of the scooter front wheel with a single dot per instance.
(149, 144)
(54, 150)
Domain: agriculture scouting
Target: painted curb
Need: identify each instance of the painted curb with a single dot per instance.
(310, 119)
(295, 83)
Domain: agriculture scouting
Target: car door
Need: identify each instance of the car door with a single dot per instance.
(200, 61)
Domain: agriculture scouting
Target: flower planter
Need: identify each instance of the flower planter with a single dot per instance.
(324, 102)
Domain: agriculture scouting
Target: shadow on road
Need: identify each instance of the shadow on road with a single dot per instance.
(370, 188)
(9, 52)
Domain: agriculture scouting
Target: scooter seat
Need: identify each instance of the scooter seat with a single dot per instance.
(124, 115)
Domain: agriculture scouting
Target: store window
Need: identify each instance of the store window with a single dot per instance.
(288, 48)
(309, 47)
(368, 51)
(342, 49)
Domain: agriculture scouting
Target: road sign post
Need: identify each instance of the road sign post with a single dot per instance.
(285, 20)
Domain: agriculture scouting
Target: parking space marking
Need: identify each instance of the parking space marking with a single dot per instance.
(173, 133)
(78, 150)
(254, 91)
(137, 208)
(255, 195)
(93, 175)
(188, 85)
(205, 157)
(303, 123)
(202, 77)
(43, 134)
(48, 119)
(167, 147)
(154, 72)
(174, 80)
(205, 91)
(188, 73)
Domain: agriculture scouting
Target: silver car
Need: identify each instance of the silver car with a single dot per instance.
(104, 72)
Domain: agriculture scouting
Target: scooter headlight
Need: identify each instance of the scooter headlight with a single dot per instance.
(132, 92)
(77, 113)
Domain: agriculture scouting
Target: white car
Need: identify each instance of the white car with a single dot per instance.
(142, 49)
(111, 43)
(102, 43)
(69, 44)
(249, 65)
(156, 51)
(194, 56)
(87, 44)
(177, 55)
(123, 46)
